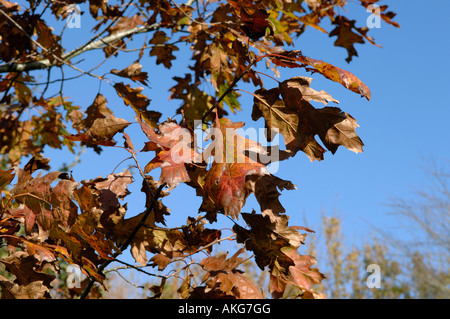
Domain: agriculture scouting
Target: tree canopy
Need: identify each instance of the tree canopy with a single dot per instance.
(49, 218)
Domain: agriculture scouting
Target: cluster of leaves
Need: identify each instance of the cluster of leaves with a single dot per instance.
(46, 219)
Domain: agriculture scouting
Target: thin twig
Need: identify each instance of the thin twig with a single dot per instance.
(45, 63)
(230, 88)
(192, 19)
(128, 266)
(10, 68)
(203, 248)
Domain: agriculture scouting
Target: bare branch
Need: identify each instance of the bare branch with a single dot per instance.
(45, 63)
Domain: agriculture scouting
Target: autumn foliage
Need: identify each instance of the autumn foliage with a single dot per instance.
(48, 218)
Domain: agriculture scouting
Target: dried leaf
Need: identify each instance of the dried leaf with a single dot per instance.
(106, 128)
(132, 72)
(295, 59)
(301, 273)
(346, 38)
(225, 187)
(174, 150)
(6, 176)
(266, 192)
(226, 279)
(255, 23)
(138, 101)
(162, 50)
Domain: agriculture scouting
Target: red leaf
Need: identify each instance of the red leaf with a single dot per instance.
(295, 59)
(256, 23)
(225, 187)
(174, 150)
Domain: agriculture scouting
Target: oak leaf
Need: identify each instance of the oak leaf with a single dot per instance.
(333, 126)
(346, 37)
(174, 150)
(301, 274)
(133, 72)
(298, 121)
(295, 59)
(32, 290)
(149, 238)
(138, 101)
(224, 278)
(162, 50)
(225, 187)
(256, 22)
(6, 176)
(101, 132)
(98, 109)
(266, 192)
(40, 205)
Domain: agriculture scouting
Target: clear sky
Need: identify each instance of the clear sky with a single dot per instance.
(405, 121)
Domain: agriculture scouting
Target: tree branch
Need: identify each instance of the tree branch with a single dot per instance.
(45, 63)
(128, 241)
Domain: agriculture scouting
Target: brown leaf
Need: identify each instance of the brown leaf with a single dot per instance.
(380, 10)
(102, 130)
(106, 128)
(255, 23)
(274, 227)
(9, 225)
(34, 194)
(338, 128)
(346, 37)
(6, 176)
(96, 241)
(301, 274)
(127, 143)
(96, 110)
(266, 192)
(132, 72)
(43, 254)
(162, 50)
(302, 84)
(295, 59)
(161, 260)
(35, 163)
(116, 183)
(225, 278)
(64, 209)
(126, 23)
(89, 140)
(27, 268)
(225, 188)
(33, 290)
(149, 238)
(333, 126)
(295, 128)
(138, 101)
(48, 40)
(149, 188)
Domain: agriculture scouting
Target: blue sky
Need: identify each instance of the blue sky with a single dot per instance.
(405, 122)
